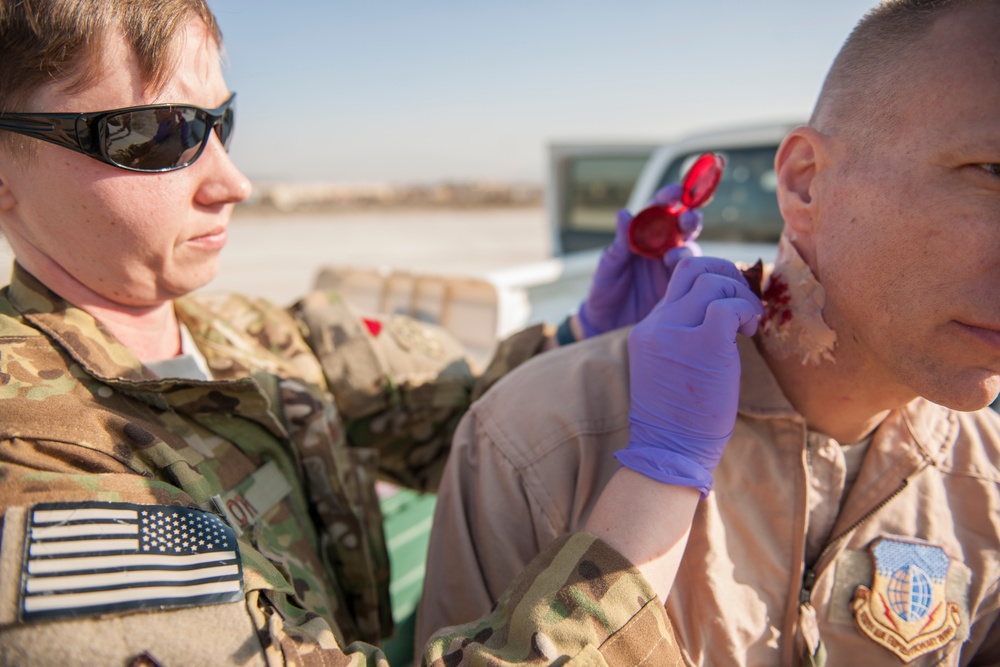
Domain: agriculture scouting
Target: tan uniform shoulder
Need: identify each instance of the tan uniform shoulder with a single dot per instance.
(976, 452)
(577, 389)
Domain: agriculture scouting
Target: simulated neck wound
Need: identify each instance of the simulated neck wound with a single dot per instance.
(793, 324)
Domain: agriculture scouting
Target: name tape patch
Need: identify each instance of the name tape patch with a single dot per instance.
(88, 558)
(254, 497)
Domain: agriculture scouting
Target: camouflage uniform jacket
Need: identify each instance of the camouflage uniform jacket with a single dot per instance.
(275, 457)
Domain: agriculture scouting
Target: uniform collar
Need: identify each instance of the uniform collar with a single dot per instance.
(934, 428)
(82, 336)
(108, 360)
(760, 393)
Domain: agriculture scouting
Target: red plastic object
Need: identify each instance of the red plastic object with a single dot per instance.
(654, 230)
(374, 326)
(702, 179)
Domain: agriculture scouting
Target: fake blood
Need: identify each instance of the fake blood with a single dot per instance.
(776, 299)
(654, 231)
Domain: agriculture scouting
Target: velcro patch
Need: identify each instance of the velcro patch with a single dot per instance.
(89, 558)
(254, 497)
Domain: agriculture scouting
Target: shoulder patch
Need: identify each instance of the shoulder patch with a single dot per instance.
(906, 610)
(89, 558)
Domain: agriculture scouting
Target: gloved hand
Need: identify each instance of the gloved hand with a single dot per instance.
(626, 286)
(685, 373)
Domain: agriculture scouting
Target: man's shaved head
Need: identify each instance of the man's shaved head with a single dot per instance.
(861, 94)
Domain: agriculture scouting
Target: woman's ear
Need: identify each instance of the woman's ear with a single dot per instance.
(7, 199)
(800, 158)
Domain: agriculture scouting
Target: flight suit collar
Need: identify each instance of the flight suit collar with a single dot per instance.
(760, 394)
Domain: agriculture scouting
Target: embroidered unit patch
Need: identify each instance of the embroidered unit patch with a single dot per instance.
(906, 610)
(90, 558)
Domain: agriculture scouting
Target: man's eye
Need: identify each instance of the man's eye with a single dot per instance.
(992, 167)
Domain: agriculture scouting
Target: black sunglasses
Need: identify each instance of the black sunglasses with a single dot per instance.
(148, 138)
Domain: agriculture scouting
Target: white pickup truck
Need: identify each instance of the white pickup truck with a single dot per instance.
(587, 185)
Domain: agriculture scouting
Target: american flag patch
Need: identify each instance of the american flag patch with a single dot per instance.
(94, 558)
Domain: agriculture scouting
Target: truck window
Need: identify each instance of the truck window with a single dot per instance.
(745, 206)
(596, 187)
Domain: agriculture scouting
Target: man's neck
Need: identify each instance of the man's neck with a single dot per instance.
(834, 399)
(822, 373)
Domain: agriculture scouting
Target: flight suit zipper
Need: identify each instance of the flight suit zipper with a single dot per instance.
(808, 625)
(815, 653)
(809, 578)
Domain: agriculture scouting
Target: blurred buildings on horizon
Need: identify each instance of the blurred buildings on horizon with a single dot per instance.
(285, 197)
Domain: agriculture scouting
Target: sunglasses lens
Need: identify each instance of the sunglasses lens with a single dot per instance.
(155, 139)
(161, 138)
(225, 128)
(192, 127)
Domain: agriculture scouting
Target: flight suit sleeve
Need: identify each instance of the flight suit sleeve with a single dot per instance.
(401, 385)
(484, 530)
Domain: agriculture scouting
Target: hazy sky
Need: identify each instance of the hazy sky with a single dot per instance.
(430, 90)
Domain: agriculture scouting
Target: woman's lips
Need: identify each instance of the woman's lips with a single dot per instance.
(213, 239)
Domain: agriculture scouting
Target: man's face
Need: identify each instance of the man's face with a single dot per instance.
(908, 242)
(94, 231)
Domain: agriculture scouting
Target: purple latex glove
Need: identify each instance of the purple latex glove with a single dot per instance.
(626, 286)
(685, 373)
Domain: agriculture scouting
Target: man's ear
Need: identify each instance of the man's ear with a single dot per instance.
(800, 158)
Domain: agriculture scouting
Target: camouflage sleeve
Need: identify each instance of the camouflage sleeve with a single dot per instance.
(579, 602)
(401, 385)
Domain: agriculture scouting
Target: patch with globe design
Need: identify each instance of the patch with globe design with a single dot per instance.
(906, 609)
